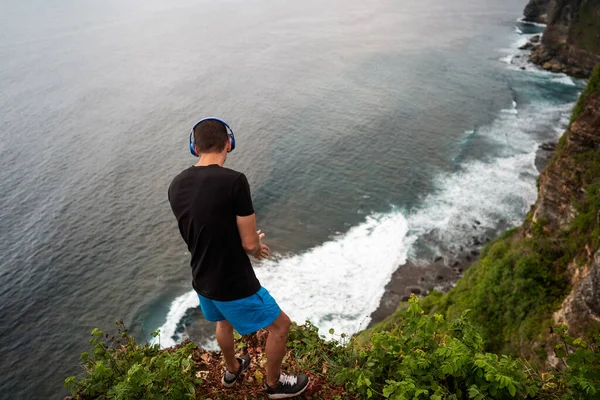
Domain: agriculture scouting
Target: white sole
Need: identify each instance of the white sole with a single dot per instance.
(228, 385)
(288, 395)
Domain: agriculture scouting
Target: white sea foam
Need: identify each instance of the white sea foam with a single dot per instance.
(335, 285)
(507, 59)
(340, 283)
(487, 192)
(514, 49)
(522, 21)
(512, 110)
(178, 308)
(564, 79)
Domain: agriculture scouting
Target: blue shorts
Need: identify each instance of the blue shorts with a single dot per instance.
(246, 315)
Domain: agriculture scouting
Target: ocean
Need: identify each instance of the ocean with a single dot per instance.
(372, 134)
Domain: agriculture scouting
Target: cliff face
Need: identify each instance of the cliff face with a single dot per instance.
(571, 42)
(562, 184)
(568, 209)
(548, 270)
(581, 309)
(537, 11)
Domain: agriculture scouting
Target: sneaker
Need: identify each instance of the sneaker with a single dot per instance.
(230, 378)
(288, 386)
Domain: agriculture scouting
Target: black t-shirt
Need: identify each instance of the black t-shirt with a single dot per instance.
(205, 201)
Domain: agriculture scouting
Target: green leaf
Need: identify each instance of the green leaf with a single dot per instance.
(191, 388)
(560, 351)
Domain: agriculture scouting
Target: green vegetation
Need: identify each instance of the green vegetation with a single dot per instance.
(518, 283)
(420, 357)
(426, 357)
(122, 369)
(487, 338)
(521, 277)
(592, 87)
(585, 32)
(511, 292)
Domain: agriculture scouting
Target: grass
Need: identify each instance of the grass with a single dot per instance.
(585, 32)
(592, 87)
(521, 278)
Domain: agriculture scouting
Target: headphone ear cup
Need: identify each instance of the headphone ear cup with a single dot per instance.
(192, 144)
(232, 141)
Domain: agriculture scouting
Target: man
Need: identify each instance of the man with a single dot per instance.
(216, 219)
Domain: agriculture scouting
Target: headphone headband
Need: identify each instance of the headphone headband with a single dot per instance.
(228, 128)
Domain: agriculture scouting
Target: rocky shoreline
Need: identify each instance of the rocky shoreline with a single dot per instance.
(442, 273)
(571, 41)
(566, 46)
(420, 279)
(568, 61)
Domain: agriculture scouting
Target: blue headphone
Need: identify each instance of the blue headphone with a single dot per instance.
(229, 134)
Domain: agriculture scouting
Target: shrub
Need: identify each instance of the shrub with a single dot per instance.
(427, 357)
(122, 369)
(421, 357)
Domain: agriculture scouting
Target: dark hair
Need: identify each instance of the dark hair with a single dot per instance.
(210, 136)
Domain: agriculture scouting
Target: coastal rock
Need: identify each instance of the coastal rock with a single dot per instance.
(412, 278)
(562, 189)
(535, 39)
(544, 155)
(537, 11)
(548, 146)
(582, 305)
(553, 66)
(527, 46)
(439, 274)
(571, 41)
(559, 191)
(415, 290)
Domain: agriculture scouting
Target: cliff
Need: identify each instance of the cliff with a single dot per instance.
(568, 207)
(548, 270)
(571, 41)
(537, 11)
(544, 272)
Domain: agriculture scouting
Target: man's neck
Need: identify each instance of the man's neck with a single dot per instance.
(211, 159)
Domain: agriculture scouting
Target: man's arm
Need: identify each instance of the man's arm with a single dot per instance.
(246, 219)
(251, 239)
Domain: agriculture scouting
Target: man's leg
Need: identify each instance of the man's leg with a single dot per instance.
(225, 340)
(275, 349)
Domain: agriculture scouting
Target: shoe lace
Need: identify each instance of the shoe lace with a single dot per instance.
(288, 379)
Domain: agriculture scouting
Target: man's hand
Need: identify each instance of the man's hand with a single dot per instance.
(251, 238)
(263, 250)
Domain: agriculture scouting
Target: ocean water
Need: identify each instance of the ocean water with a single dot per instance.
(371, 133)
